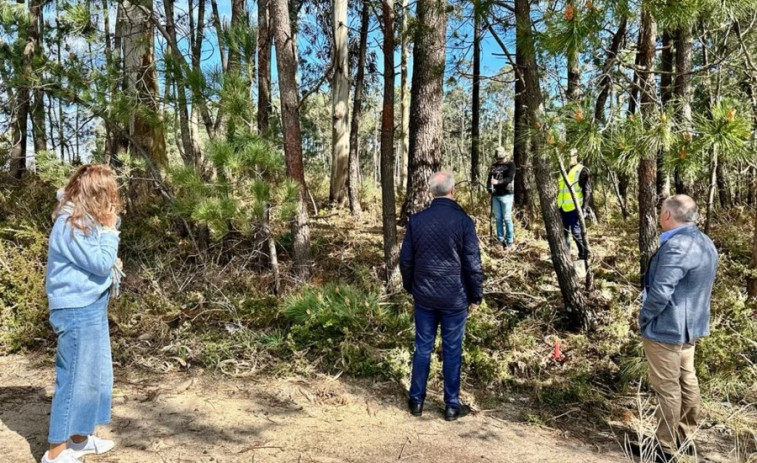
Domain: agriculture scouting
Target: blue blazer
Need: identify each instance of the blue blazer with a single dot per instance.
(440, 259)
(678, 286)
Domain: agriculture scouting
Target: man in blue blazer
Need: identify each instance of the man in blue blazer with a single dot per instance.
(441, 267)
(674, 314)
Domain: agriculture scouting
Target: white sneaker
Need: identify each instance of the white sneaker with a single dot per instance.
(66, 456)
(92, 446)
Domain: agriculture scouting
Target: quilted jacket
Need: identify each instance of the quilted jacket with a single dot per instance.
(440, 260)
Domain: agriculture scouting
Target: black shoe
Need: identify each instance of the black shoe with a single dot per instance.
(662, 456)
(659, 455)
(506, 245)
(453, 413)
(690, 448)
(416, 409)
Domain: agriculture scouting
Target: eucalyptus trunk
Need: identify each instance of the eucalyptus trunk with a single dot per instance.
(340, 111)
(353, 182)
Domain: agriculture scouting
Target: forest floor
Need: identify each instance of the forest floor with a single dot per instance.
(201, 418)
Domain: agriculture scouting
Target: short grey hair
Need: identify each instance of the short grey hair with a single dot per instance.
(441, 183)
(682, 208)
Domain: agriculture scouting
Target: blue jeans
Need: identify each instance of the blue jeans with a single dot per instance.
(572, 225)
(83, 369)
(502, 206)
(453, 328)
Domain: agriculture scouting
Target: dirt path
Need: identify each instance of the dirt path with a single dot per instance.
(203, 418)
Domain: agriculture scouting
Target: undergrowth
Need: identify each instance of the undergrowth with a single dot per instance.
(215, 310)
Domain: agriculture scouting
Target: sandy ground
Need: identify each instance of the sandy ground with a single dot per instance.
(206, 418)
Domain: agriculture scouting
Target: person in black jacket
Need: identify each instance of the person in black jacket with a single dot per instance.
(500, 185)
(440, 263)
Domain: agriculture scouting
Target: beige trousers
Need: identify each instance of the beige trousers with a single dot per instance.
(673, 378)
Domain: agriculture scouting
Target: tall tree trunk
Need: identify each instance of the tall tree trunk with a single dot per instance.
(682, 92)
(724, 189)
(187, 154)
(197, 33)
(426, 103)
(141, 78)
(219, 35)
(666, 95)
(711, 189)
(388, 207)
(19, 114)
(353, 184)
(648, 162)
(522, 186)
(36, 34)
(286, 61)
(340, 113)
(264, 67)
(578, 314)
(574, 70)
(476, 96)
(404, 97)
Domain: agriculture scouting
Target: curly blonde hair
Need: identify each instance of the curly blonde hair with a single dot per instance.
(93, 192)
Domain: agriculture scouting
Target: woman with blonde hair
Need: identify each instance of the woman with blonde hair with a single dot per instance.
(82, 267)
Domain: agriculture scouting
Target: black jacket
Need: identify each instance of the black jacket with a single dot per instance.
(440, 259)
(501, 179)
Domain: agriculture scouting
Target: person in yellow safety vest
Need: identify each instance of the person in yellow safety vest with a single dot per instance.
(580, 178)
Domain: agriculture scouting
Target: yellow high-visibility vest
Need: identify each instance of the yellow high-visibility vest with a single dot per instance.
(564, 200)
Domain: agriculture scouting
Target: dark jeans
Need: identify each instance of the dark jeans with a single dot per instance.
(453, 328)
(572, 225)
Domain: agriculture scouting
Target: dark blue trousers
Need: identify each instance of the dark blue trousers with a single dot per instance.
(453, 328)
(572, 225)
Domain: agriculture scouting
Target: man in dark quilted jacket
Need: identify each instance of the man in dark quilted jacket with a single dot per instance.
(441, 267)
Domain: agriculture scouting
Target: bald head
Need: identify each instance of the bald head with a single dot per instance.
(442, 184)
(682, 210)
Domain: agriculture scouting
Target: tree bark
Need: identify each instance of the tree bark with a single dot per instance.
(522, 198)
(353, 183)
(648, 162)
(476, 97)
(19, 114)
(264, 67)
(682, 92)
(666, 95)
(388, 206)
(187, 154)
(404, 97)
(36, 34)
(724, 189)
(340, 113)
(198, 34)
(574, 70)
(426, 97)
(711, 189)
(578, 314)
(286, 61)
(141, 79)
